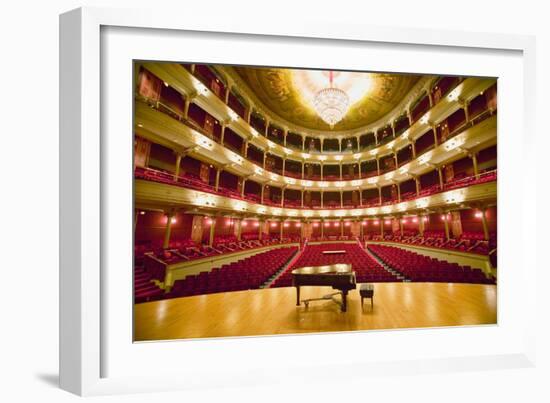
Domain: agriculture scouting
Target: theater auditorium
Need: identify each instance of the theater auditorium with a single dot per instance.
(275, 201)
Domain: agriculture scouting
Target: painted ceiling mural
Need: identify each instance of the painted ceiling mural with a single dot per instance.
(290, 94)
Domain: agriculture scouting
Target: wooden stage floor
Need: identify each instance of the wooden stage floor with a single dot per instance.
(274, 311)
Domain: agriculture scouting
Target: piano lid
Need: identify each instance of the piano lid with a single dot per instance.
(340, 268)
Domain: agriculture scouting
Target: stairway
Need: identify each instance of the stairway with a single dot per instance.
(274, 277)
(144, 289)
(389, 269)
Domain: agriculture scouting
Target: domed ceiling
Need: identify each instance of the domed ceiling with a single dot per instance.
(290, 94)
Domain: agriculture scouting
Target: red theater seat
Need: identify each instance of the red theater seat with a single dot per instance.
(418, 267)
(366, 268)
(249, 273)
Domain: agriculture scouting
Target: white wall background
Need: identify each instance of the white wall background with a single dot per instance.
(29, 202)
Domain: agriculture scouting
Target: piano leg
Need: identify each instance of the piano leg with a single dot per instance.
(297, 295)
(344, 300)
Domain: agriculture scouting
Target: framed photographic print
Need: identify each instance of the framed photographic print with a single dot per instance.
(256, 196)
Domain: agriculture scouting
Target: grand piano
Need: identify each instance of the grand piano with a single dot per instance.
(339, 276)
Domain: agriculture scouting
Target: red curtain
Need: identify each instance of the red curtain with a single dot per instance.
(149, 85)
(142, 148)
(205, 173)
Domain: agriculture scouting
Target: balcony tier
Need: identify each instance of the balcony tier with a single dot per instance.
(149, 194)
(164, 130)
(184, 82)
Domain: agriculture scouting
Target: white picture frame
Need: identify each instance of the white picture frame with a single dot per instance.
(92, 346)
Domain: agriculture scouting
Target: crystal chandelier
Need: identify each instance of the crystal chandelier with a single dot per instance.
(331, 104)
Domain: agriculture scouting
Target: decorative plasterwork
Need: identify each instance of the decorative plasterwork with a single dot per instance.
(273, 94)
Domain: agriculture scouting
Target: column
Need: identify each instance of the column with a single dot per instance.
(282, 197)
(302, 198)
(322, 203)
(409, 116)
(396, 161)
(392, 129)
(281, 224)
(303, 165)
(484, 223)
(341, 228)
(341, 199)
(322, 144)
(360, 198)
(440, 173)
(358, 145)
(340, 170)
(177, 166)
(466, 112)
(378, 166)
(398, 193)
(227, 91)
(303, 143)
(322, 229)
(136, 215)
(446, 223)
(260, 229)
(376, 138)
(361, 230)
(212, 231)
(262, 194)
(379, 195)
(285, 133)
(186, 106)
(430, 98)
(473, 156)
(238, 229)
(413, 147)
(322, 171)
(421, 224)
(284, 166)
(266, 128)
(263, 163)
(217, 184)
(222, 135)
(434, 130)
(359, 168)
(401, 225)
(417, 181)
(167, 230)
(340, 144)
(382, 227)
(243, 186)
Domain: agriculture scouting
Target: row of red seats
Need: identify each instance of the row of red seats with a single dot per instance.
(459, 181)
(249, 273)
(187, 180)
(417, 267)
(155, 258)
(429, 190)
(331, 238)
(365, 267)
(462, 181)
(472, 242)
(144, 288)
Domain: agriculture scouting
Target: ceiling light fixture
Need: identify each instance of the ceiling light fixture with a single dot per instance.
(331, 103)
